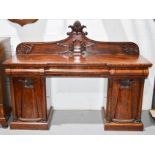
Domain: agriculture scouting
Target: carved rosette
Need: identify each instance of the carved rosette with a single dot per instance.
(77, 28)
(130, 50)
(24, 48)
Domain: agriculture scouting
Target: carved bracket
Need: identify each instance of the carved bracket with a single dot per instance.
(27, 82)
(125, 83)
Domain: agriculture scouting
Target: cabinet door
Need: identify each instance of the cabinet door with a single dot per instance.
(124, 100)
(29, 96)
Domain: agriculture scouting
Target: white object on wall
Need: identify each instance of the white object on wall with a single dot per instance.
(86, 93)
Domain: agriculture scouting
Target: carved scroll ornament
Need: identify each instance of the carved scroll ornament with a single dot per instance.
(77, 28)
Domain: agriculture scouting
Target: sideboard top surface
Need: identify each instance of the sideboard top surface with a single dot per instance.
(49, 60)
(77, 49)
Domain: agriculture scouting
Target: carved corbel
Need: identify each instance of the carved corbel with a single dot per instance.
(125, 83)
(27, 82)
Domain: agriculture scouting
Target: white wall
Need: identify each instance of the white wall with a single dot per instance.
(86, 93)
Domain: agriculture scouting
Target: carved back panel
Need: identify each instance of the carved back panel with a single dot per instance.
(124, 99)
(78, 44)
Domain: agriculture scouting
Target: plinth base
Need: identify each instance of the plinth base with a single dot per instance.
(117, 126)
(124, 126)
(33, 125)
(4, 120)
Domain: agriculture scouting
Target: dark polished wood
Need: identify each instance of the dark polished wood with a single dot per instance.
(78, 56)
(23, 22)
(5, 109)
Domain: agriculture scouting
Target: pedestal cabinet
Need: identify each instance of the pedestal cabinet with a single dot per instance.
(124, 104)
(29, 103)
(5, 53)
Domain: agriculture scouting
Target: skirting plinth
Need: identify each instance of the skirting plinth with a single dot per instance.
(4, 122)
(33, 125)
(118, 126)
(124, 126)
(5, 117)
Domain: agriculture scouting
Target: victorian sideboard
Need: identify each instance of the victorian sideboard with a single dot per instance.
(5, 53)
(77, 56)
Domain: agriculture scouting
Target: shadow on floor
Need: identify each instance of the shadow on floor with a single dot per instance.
(77, 117)
(147, 119)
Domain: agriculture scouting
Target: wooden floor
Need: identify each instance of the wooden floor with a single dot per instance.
(82, 122)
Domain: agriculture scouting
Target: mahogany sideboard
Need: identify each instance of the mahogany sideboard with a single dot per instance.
(77, 56)
(5, 109)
